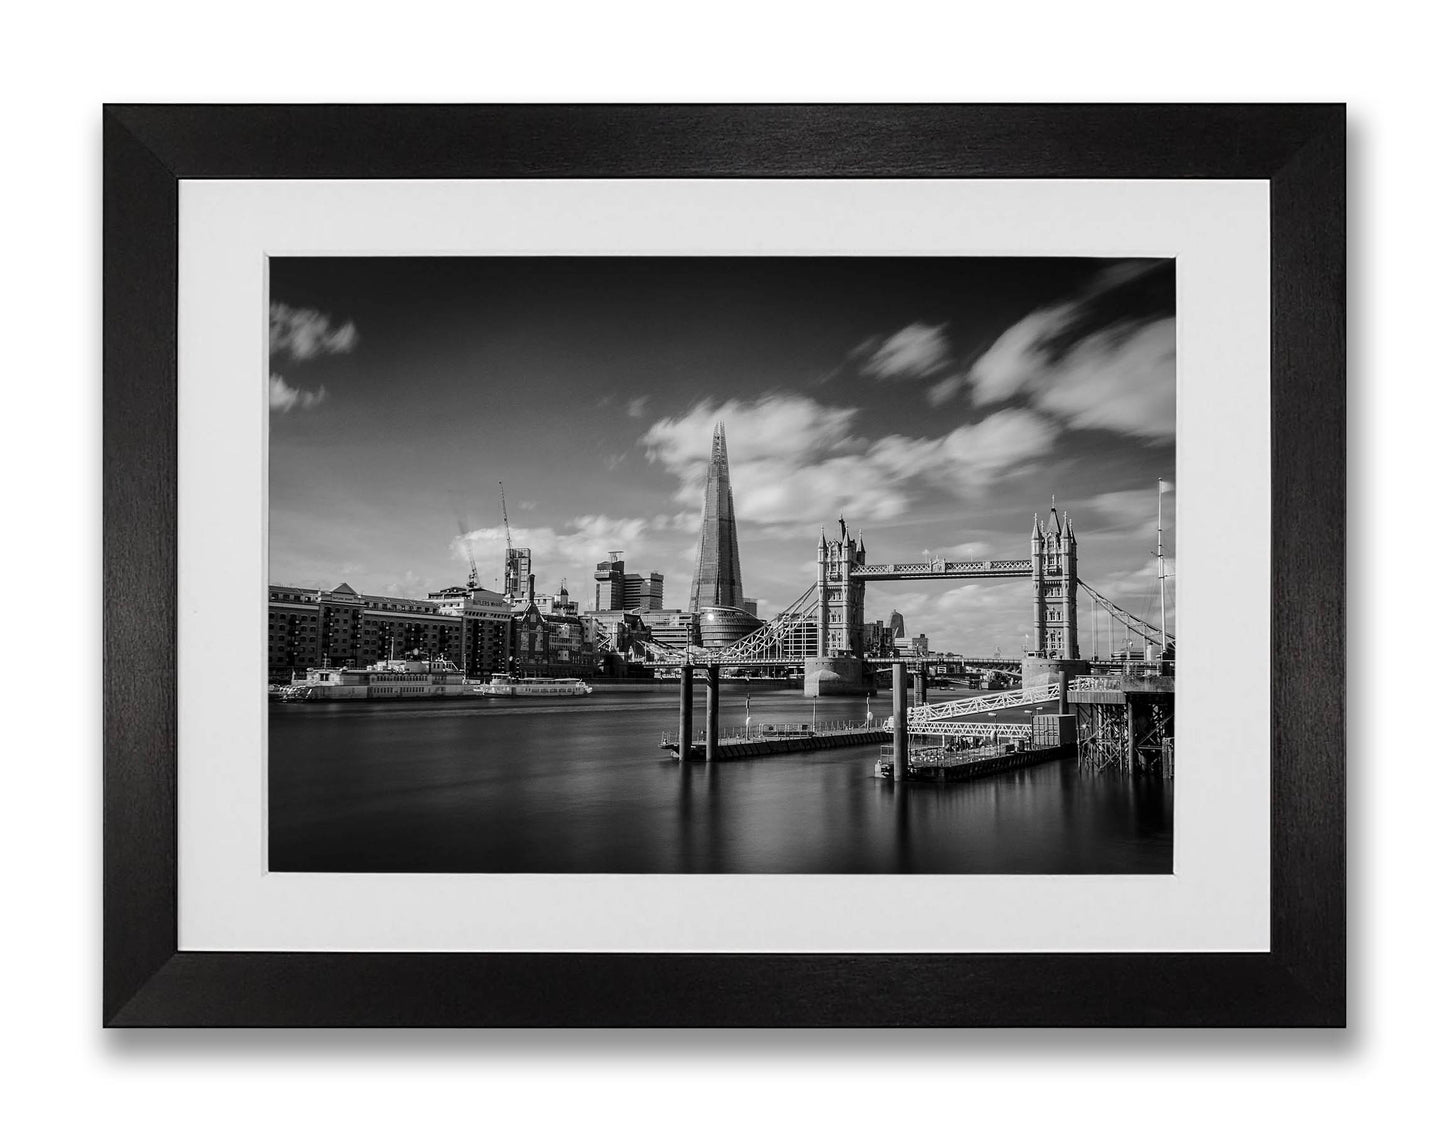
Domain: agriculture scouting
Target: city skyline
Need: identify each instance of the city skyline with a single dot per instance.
(936, 403)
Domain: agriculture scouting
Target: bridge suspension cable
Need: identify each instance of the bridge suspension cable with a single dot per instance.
(1132, 622)
(785, 638)
(788, 638)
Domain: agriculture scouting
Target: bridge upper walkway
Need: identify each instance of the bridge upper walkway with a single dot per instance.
(946, 569)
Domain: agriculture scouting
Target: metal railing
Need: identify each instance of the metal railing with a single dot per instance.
(941, 568)
(971, 729)
(970, 706)
(779, 731)
(1104, 684)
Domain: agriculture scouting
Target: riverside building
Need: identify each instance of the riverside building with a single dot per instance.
(309, 627)
(551, 645)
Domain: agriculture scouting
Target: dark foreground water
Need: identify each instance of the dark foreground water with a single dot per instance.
(579, 785)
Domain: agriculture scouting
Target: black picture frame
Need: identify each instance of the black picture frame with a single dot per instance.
(1299, 149)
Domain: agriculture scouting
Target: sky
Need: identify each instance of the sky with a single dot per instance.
(935, 403)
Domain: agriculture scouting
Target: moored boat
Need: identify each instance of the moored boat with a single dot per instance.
(407, 679)
(506, 685)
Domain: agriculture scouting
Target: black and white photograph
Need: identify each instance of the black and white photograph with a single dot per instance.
(721, 565)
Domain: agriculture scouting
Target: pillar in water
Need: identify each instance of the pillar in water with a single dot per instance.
(684, 714)
(900, 722)
(712, 702)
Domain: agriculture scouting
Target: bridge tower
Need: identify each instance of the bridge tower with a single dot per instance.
(840, 596)
(838, 666)
(1055, 555)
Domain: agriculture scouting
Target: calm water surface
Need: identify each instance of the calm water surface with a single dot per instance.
(579, 785)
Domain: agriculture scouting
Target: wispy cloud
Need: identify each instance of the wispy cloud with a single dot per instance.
(912, 353)
(300, 334)
(687, 521)
(297, 335)
(638, 407)
(915, 352)
(794, 459)
(284, 397)
(1105, 358)
(1130, 512)
(969, 550)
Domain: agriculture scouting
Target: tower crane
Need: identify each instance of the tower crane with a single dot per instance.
(512, 585)
(471, 556)
(506, 525)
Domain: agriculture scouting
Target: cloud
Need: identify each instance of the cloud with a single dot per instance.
(637, 407)
(1105, 358)
(792, 459)
(300, 334)
(915, 352)
(284, 397)
(1128, 511)
(568, 553)
(912, 353)
(972, 549)
(777, 425)
(688, 521)
(945, 389)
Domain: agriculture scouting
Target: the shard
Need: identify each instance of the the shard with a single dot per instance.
(718, 580)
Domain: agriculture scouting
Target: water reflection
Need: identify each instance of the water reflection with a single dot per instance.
(581, 786)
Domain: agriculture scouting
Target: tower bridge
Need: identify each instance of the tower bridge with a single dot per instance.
(823, 630)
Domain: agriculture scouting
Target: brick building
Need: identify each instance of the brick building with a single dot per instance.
(308, 628)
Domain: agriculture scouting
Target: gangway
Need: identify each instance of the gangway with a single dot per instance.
(967, 728)
(972, 706)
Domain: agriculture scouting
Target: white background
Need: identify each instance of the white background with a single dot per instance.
(63, 61)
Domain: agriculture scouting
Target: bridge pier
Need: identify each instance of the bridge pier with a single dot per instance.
(900, 722)
(684, 714)
(920, 687)
(1048, 670)
(712, 702)
(834, 676)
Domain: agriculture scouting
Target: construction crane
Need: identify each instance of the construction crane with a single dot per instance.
(506, 525)
(472, 580)
(512, 585)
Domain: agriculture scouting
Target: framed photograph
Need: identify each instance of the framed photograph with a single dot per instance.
(724, 565)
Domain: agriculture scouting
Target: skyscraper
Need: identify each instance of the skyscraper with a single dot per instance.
(718, 580)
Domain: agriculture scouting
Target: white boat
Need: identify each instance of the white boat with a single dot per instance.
(407, 679)
(506, 685)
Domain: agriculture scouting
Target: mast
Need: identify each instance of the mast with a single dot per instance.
(1163, 612)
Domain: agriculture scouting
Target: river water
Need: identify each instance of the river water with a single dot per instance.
(580, 785)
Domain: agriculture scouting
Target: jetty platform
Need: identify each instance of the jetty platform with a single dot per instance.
(778, 739)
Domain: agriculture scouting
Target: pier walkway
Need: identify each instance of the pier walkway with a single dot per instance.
(777, 739)
(940, 766)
